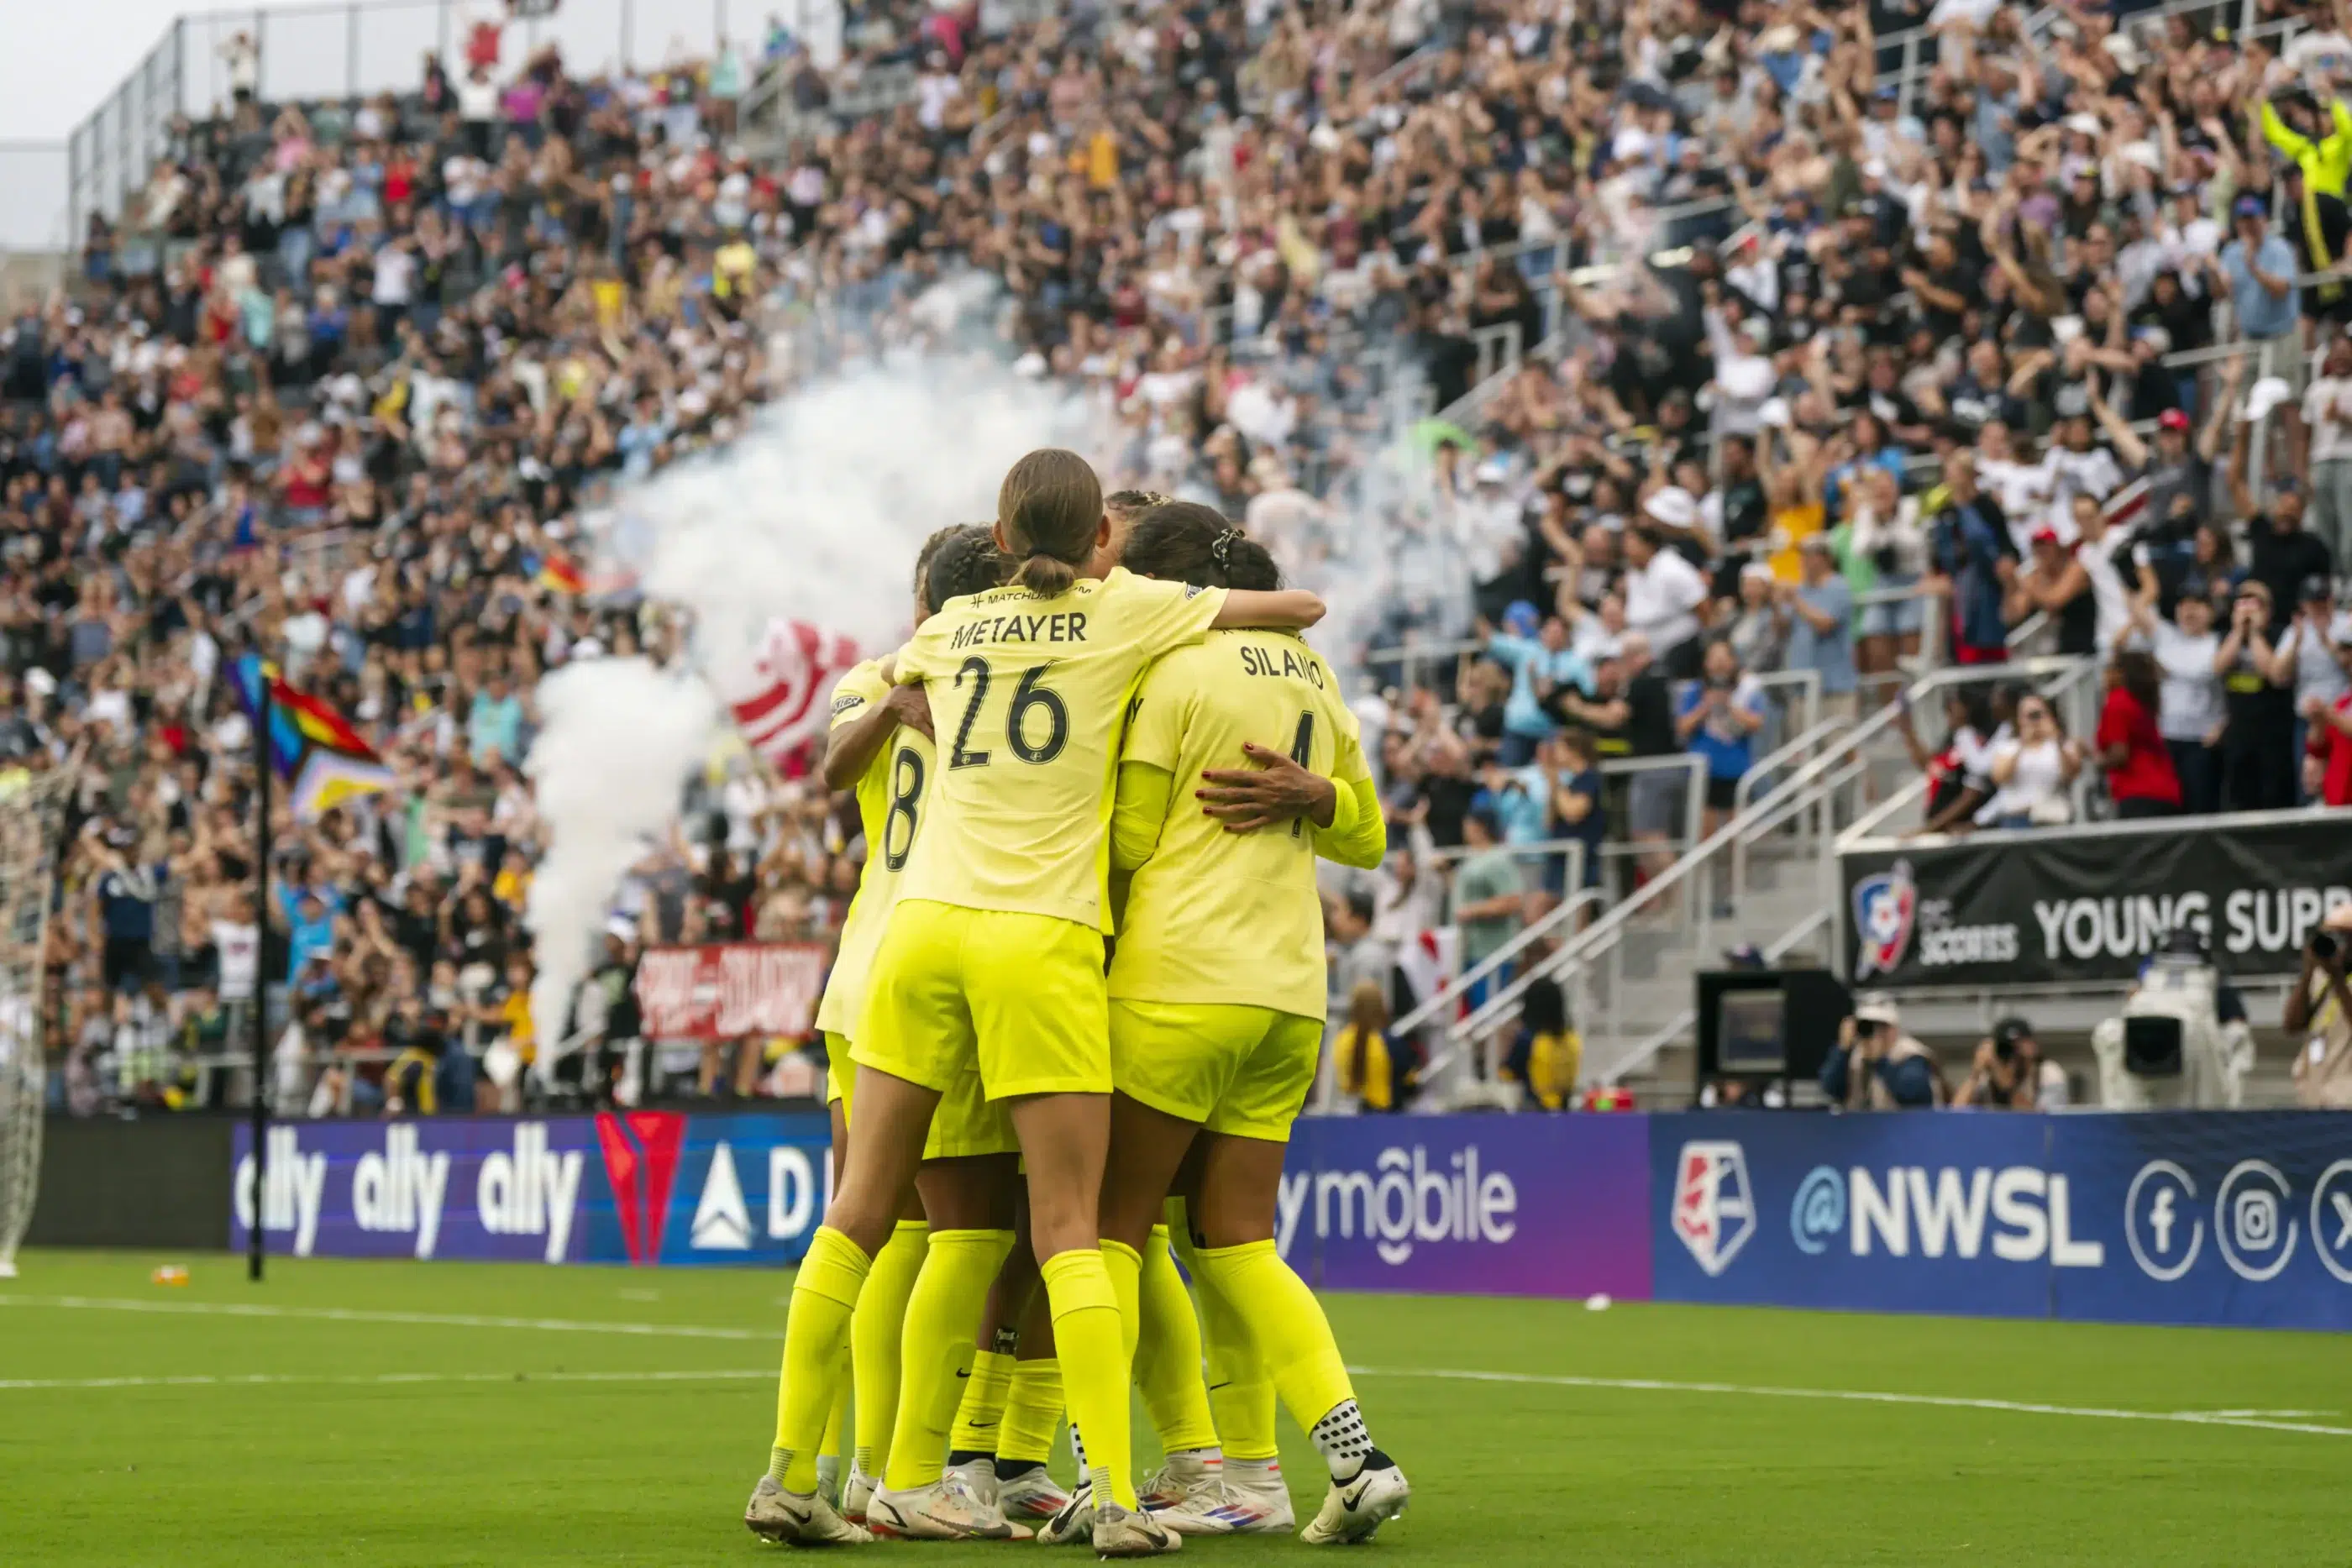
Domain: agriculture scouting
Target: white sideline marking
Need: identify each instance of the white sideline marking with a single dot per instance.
(365, 1315)
(1864, 1397)
(2273, 1421)
(385, 1380)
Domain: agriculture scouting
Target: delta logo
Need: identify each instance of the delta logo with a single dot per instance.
(641, 1150)
(1885, 908)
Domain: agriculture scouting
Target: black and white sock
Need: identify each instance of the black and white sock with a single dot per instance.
(1343, 1441)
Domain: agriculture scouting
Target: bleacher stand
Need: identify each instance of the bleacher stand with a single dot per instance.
(2006, 323)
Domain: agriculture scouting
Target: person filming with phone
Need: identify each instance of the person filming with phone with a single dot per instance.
(2319, 1015)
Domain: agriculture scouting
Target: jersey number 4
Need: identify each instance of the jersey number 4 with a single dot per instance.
(1302, 752)
(1021, 720)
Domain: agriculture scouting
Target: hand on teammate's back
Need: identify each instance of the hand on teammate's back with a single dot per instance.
(1275, 790)
(913, 707)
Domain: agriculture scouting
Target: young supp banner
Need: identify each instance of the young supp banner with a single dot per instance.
(2054, 904)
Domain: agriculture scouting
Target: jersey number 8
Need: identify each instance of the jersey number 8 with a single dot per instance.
(1027, 697)
(905, 789)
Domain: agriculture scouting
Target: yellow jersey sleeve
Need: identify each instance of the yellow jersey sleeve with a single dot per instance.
(1357, 836)
(857, 692)
(891, 805)
(1160, 617)
(1029, 696)
(1217, 916)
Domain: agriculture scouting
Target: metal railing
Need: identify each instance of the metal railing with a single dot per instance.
(1811, 797)
(289, 54)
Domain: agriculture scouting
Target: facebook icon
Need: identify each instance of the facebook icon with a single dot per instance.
(2162, 1221)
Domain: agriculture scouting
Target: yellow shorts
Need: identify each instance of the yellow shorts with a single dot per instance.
(964, 1124)
(1018, 997)
(1241, 1070)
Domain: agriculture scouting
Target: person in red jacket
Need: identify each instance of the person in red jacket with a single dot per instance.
(2328, 727)
(2140, 777)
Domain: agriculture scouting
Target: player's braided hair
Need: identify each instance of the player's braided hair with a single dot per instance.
(923, 558)
(1050, 509)
(1181, 541)
(967, 561)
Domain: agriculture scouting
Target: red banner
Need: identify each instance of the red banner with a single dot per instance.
(729, 990)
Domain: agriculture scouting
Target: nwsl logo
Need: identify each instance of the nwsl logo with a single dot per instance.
(1714, 1205)
(1885, 907)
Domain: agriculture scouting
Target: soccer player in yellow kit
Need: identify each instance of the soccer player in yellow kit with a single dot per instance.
(880, 747)
(1217, 991)
(993, 957)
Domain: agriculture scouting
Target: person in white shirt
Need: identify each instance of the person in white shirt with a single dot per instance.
(1662, 595)
(2032, 773)
(2022, 489)
(2327, 414)
(2190, 708)
(2078, 468)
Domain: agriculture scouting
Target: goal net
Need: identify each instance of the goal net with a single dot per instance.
(30, 807)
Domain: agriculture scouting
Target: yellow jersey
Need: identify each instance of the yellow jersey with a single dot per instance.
(1027, 694)
(890, 812)
(1219, 916)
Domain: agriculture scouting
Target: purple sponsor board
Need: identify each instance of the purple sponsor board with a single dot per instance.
(1521, 1205)
(504, 1190)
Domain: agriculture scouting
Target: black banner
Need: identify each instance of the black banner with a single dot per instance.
(158, 1182)
(2089, 903)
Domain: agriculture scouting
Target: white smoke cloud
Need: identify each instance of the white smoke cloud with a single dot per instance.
(618, 738)
(815, 513)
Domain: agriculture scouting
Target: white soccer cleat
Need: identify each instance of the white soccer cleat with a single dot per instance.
(856, 1493)
(1244, 1504)
(1184, 1478)
(799, 1519)
(1033, 1497)
(1131, 1533)
(946, 1510)
(1352, 1511)
(979, 1477)
(1073, 1523)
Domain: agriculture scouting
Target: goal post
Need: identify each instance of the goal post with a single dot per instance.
(31, 807)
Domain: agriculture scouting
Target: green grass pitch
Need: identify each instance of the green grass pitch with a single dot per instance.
(413, 1414)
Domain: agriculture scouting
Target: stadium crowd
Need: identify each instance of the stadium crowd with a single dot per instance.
(1800, 367)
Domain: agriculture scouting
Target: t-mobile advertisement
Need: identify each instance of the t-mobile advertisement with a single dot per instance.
(1489, 1205)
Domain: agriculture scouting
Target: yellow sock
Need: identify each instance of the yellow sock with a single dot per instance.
(816, 1331)
(943, 1314)
(1241, 1395)
(1033, 1414)
(1286, 1324)
(1168, 1354)
(980, 1418)
(1094, 1366)
(837, 1420)
(874, 1330)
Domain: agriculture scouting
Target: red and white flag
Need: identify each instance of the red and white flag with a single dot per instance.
(778, 696)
